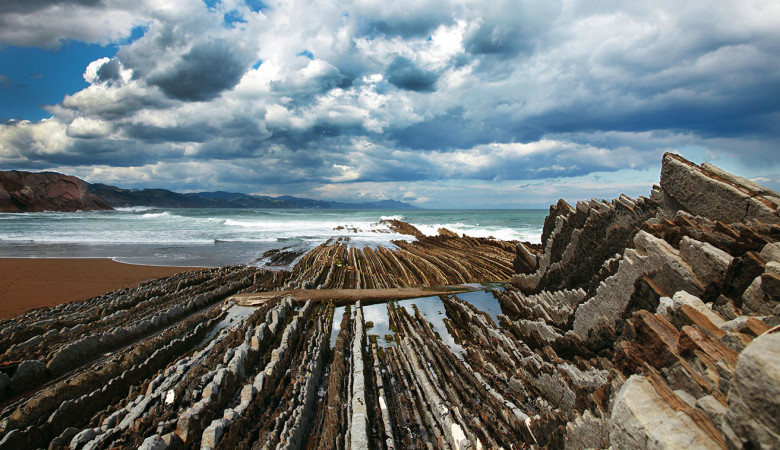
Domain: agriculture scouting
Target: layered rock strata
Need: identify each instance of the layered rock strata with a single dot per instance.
(440, 260)
(647, 323)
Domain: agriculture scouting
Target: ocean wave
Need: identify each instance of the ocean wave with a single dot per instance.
(133, 208)
(397, 217)
(500, 233)
(245, 223)
(102, 240)
(248, 240)
(155, 215)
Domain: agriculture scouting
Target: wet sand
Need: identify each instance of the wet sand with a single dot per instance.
(29, 283)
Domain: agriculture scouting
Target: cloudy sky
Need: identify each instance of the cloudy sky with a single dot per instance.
(439, 103)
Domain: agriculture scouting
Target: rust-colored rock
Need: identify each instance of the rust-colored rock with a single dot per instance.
(45, 191)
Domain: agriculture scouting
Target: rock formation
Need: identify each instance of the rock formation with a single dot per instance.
(45, 191)
(639, 323)
(428, 261)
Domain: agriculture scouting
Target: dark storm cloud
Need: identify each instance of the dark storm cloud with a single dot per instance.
(203, 73)
(28, 6)
(513, 90)
(412, 28)
(110, 71)
(404, 74)
(452, 130)
(497, 39)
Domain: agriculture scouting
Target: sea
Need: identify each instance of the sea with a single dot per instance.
(208, 237)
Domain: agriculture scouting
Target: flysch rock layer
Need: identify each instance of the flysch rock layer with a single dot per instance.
(637, 323)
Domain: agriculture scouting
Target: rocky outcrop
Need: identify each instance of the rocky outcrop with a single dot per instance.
(672, 317)
(440, 260)
(45, 191)
(753, 410)
(647, 323)
(710, 192)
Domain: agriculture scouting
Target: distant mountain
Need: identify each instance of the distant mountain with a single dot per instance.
(163, 198)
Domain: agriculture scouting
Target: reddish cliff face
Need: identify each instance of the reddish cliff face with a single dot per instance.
(45, 191)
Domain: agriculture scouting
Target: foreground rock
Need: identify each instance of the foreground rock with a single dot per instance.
(638, 323)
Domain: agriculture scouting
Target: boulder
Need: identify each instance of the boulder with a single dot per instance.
(708, 262)
(708, 191)
(612, 297)
(753, 409)
(212, 433)
(153, 442)
(771, 252)
(668, 306)
(28, 373)
(83, 437)
(641, 418)
(63, 440)
(74, 354)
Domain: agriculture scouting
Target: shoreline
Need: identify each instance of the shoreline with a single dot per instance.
(36, 282)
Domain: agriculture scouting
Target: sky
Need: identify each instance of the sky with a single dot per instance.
(438, 103)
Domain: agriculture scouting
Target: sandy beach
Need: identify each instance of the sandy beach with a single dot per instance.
(28, 283)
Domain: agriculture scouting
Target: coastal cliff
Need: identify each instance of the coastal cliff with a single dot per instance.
(45, 191)
(637, 323)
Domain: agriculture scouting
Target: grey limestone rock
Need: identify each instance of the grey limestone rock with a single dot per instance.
(753, 411)
(74, 353)
(212, 433)
(706, 192)
(642, 419)
(153, 442)
(708, 262)
(715, 409)
(756, 301)
(771, 252)
(83, 437)
(612, 297)
(29, 372)
(587, 431)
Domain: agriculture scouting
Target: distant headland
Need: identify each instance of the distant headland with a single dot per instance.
(49, 191)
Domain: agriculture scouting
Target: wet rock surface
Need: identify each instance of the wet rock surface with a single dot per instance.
(647, 323)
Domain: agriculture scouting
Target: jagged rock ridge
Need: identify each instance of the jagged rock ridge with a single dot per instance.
(665, 337)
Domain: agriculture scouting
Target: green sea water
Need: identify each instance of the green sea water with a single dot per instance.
(217, 237)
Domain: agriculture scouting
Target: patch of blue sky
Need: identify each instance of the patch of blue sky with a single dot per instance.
(307, 54)
(233, 17)
(38, 77)
(254, 5)
(41, 77)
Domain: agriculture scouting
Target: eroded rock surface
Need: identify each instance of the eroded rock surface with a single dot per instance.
(638, 323)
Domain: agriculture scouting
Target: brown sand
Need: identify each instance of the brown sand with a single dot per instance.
(28, 283)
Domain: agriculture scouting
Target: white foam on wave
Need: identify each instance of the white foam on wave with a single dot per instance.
(155, 215)
(133, 208)
(500, 233)
(397, 217)
(112, 240)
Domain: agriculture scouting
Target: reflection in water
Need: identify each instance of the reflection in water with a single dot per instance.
(234, 315)
(431, 308)
(338, 315)
(484, 301)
